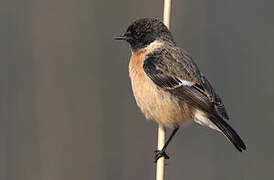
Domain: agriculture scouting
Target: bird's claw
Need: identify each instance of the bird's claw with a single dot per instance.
(159, 154)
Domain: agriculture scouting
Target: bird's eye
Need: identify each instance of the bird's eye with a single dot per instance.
(138, 34)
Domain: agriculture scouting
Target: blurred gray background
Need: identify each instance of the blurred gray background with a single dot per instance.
(66, 106)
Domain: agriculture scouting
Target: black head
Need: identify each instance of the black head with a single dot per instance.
(144, 31)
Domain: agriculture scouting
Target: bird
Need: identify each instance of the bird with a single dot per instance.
(168, 86)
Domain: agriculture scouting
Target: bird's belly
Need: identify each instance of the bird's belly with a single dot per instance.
(158, 104)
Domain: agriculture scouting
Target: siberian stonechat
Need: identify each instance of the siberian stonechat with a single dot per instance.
(168, 86)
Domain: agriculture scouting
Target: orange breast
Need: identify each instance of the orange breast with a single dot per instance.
(154, 102)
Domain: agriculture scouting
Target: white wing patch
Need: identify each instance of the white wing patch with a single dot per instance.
(201, 119)
(184, 83)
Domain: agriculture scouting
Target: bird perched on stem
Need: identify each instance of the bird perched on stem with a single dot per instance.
(168, 86)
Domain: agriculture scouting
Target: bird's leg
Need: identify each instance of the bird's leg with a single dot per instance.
(162, 153)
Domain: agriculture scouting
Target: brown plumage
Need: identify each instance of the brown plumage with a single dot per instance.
(156, 103)
(167, 84)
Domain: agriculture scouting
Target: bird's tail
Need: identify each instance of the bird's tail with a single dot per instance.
(229, 132)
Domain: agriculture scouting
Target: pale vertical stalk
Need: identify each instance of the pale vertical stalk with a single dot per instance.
(161, 161)
(161, 130)
(166, 16)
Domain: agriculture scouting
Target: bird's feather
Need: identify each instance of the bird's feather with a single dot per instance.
(174, 70)
(180, 76)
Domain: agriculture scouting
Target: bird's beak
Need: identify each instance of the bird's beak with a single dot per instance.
(123, 37)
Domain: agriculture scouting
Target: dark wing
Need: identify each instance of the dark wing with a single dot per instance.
(158, 76)
(214, 98)
(179, 75)
(176, 72)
